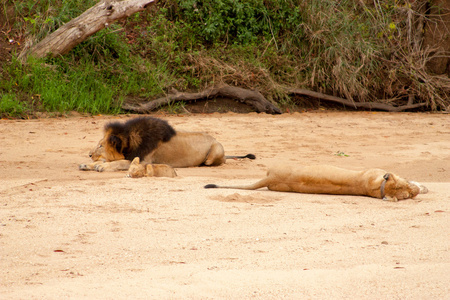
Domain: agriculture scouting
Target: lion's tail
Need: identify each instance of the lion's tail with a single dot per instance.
(249, 156)
(254, 186)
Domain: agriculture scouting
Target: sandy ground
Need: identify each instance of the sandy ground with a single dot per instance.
(69, 234)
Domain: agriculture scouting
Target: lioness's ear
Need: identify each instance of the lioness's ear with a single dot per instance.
(135, 161)
(115, 142)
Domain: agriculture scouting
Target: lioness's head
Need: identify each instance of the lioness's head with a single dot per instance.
(135, 138)
(397, 188)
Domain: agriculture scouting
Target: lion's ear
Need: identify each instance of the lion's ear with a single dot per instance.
(389, 177)
(393, 180)
(135, 161)
(115, 142)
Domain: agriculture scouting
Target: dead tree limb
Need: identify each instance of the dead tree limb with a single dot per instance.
(249, 97)
(77, 30)
(367, 105)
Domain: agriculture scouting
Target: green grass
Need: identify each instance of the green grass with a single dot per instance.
(343, 48)
(51, 89)
(11, 106)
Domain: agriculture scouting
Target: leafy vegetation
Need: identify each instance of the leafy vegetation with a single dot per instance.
(343, 48)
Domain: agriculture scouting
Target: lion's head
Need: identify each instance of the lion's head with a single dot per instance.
(135, 138)
(137, 170)
(397, 188)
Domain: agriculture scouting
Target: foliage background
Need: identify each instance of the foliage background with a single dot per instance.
(358, 50)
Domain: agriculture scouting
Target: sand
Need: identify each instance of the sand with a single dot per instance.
(70, 234)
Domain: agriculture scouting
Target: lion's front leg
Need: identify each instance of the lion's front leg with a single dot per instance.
(89, 166)
(100, 166)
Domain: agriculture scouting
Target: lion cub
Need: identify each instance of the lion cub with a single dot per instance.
(138, 170)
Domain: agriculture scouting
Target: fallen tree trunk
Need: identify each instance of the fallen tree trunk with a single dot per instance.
(368, 105)
(77, 30)
(252, 98)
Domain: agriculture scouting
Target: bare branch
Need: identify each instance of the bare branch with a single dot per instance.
(368, 105)
(252, 98)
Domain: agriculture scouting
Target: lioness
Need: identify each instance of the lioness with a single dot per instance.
(154, 141)
(138, 170)
(324, 179)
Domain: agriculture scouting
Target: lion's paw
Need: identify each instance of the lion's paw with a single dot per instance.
(84, 167)
(423, 189)
(390, 199)
(99, 168)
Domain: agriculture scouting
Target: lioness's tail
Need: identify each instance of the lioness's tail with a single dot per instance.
(254, 186)
(249, 156)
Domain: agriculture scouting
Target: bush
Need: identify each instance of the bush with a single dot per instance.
(240, 22)
(10, 106)
(345, 48)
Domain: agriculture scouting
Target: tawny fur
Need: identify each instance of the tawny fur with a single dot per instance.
(138, 170)
(324, 179)
(155, 142)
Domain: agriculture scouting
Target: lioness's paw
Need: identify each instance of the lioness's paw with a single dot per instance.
(423, 189)
(390, 199)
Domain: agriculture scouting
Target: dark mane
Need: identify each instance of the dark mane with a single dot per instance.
(139, 136)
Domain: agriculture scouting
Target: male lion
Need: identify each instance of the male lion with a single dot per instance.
(154, 141)
(324, 179)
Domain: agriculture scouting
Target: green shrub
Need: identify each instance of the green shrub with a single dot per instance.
(233, 21)
(352, 49)
(10, 106)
